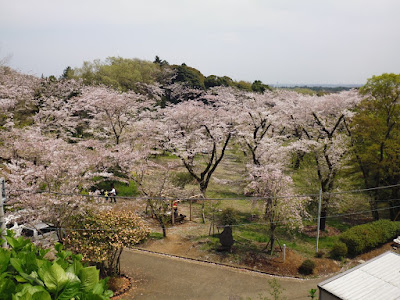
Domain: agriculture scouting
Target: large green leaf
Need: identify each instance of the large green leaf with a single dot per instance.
(91, 296)
(71, 289)
(75, 267)
(101, 288)
(33, 278)
(17, 244)
(54, 277)
(28, 261)
(7, 287)
(30, 292)
(40, 262)
(4, 259)
(17, 264)
(89, 277)
(21, 279)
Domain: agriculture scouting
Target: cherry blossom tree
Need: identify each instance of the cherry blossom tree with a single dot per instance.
(281, 207)
(16, 97)
(73, 112)
(155, 182)
(39, 170)
(199, 135)
(318, 123)
(60, 112)
(256, 120)
(112, 112)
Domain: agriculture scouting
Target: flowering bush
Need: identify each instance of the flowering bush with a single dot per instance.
(100, 237)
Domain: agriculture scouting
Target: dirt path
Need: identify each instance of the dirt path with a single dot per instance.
(163, 277)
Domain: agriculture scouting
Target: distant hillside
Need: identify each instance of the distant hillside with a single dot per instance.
(125, 74)
(319, 89)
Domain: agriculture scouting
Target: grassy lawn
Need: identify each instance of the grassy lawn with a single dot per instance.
(250, 232)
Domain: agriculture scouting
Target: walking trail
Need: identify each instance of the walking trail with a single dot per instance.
(158, 276)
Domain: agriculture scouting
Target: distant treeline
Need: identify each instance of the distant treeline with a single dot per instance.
(319, 90)
(125, 74)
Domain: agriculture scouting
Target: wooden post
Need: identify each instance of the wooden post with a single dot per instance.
(213, 218)
(172, 212)
(190, 216)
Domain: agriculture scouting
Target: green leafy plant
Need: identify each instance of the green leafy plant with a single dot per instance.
(307, 267)
(339, 251)
(362, 238)
(229, 216)
(312, 293)
(25, 274)
(275, 290)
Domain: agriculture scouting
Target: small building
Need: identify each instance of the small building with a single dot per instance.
(376, 279)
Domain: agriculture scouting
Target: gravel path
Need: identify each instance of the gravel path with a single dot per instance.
(163, 277)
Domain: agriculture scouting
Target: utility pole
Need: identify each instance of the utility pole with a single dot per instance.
(319, 217)
(2, 220)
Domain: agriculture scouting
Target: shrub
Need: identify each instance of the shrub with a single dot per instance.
(103, 237)
(320, 254)
(26, 274)
(229, 216)
(339, 251)
(362, 238)
(180, 179)
(307, 267)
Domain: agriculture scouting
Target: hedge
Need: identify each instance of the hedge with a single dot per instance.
(339, 251)
(307, 267)
(362, 238)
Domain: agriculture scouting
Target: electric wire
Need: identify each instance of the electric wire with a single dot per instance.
(239, 225)
(235, 225)
(207, 199)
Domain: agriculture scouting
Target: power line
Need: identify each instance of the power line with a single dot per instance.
(206, 199)
(364, 190)
(157, 198)
(237, 225)
(221, 199)
(315, 218)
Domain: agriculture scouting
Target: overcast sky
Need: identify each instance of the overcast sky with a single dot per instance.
(276, 41)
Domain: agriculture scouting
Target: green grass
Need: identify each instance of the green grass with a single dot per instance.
(229, 181)
(338, 224)
(155, 236)
(123, 189)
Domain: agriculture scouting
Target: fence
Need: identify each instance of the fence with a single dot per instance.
(358, 202)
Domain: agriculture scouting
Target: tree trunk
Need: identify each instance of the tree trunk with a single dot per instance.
(203, 190)
(272, 239)
(203, 216)
(322, 221)
(394, 203)
(392, 211)
(374, 207)
(164, 229)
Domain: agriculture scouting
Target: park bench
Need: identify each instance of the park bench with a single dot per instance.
(178, 218)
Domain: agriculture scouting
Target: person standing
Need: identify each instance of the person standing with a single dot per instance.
(113, 193)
